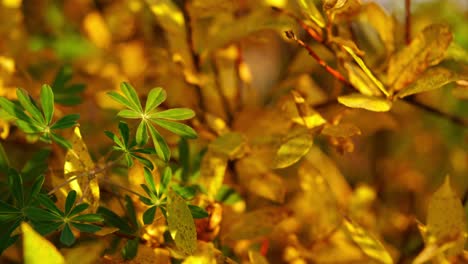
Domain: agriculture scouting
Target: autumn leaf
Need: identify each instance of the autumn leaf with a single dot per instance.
(426, 49)
(180, 224)
(367, 242)
(79, 165)
(213, 167)
(375, 15)
(308, 7)
(446, 217)
(293, 148)
(232, 144)
(367, 102)
(433, 78)
(36, 248)
(257, 258)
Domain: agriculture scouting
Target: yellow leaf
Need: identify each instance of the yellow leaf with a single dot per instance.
(426, 49)
(341, 9)
(232, 145)
(446, 217)
(359, 79)
(79, 165)
(206, 8)
(216, 123)
(88, 253)
(37, 249)
(256, 258)
(374, 15)
(366, 70)
(434, 250)
(208, 254)
(431, 79)
(309, 8)
(180, 224)
(368, 244)
(255, 224)
(294, 148)
(370, 103)
(212, 171)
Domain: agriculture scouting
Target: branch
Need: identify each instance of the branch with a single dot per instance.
(335, 73)
(454, 119)
(407, 21)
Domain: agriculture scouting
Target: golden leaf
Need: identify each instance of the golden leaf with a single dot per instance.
(431, 79)
(308, 7)
(294, 148)
(374, 15)
(208, 254)
(37, 249)
(368, 244)
(446, 217)
(212, 171)
(87, 253)
(426, 49)
(367, 102)
(366, 70)
(180, 223)
(79, 165)
(255, 224)
(96, 29)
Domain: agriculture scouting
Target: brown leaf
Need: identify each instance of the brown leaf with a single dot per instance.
(426, 49)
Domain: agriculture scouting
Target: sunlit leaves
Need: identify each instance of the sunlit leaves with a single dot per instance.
(367, 242)
(180, 224)
(36, 121)
(79, 169)
(212, 169)
(370, 103)
(446, 217)
(37, 249)
(431, 79)
(151, 116)
(308, 7)
(293, 148)
(426, 49)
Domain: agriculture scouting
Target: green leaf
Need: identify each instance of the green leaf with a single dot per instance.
(61, 141)
(112, 219)
(47, 102)
(47, 203)
(130, 249)
(86, 227)
(148, 215)
(180, 223)
(8, 212)
(36, 165)
(70, 201)
(15, 182)
(130, 211)
(37, 249)
(187, 192)
(4, 162)
(124, 131)
(177, 128)
(66, 121)
(36, 187)
(131, 95)
(122, 100)
(131, 114)
(40, 215)
(198, 212)
(293, 149)
(175, 114)
(29, 127)
(144, 161)
(66, 237)
(367, 102)
(149, 180)
(29, 106)
(155, 97)
(165, 179)
(184, 158)
(45, 228)
(88, 218)
(78, 209)
(142, 133)
(228, 195)
(14, 110)
(160, 145)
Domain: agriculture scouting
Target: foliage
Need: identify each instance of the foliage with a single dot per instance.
(300, 131)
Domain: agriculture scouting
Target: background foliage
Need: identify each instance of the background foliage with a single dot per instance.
(203, 131)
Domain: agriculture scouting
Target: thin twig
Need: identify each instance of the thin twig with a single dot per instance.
(322, 63)
(454, 119)
(407, 21)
